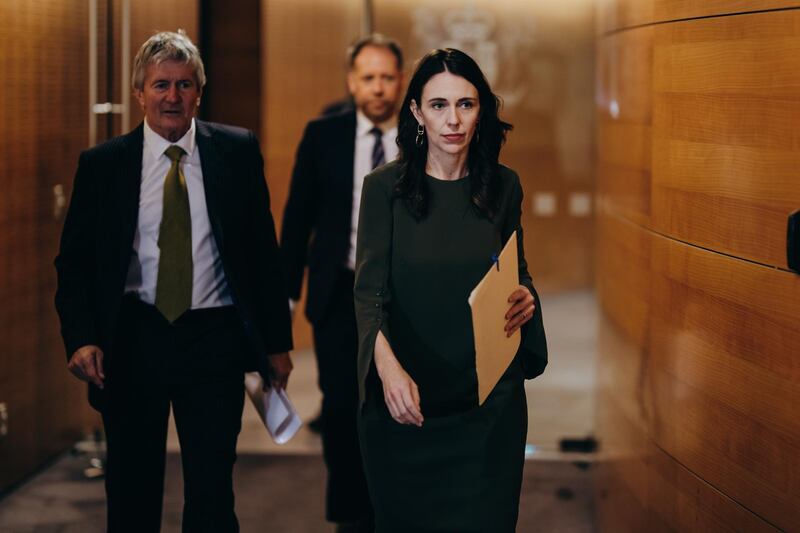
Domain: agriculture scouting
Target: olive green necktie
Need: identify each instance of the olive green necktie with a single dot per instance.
(174, 286)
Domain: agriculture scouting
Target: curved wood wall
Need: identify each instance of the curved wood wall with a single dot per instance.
(698, 111)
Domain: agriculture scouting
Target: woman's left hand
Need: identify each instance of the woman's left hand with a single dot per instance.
(522, 307)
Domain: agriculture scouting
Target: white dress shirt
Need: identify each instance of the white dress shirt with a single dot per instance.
(362, 165)
(209, 287)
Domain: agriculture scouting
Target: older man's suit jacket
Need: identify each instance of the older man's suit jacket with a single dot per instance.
(97, 241)
(319, 210)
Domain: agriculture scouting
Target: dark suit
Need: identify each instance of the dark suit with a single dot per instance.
(195, 364)
(316, 233)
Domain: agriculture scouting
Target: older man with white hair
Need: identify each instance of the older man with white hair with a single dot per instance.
(169, 288)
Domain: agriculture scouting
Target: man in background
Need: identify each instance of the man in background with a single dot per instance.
(169, 288)
(319, 231)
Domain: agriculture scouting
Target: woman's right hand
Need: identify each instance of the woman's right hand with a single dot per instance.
(399, 390)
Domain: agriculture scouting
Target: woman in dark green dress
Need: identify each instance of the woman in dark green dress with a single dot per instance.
(429, 226)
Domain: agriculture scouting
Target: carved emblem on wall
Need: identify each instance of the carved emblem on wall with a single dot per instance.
(476, 32)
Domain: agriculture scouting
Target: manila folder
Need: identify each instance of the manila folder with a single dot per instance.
(494, 351)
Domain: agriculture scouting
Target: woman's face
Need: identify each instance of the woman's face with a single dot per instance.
(449, 110)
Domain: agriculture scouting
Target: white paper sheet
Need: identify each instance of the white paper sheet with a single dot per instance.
(274, 407)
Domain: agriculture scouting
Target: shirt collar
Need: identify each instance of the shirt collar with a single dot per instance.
(365, 125)
(158, 144)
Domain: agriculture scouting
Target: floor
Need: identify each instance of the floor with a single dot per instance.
(556, 496)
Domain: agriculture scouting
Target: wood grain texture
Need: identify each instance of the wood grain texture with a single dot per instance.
(699, 340)
(725, 375)
(62, 134)
(668, 498)
(684, 502)
(696, 395)
(624, 122)
(623, 277)
(726, 146)
(616, 15)
(666, 10)
(231, 49)
(43, 127)
(622, 412)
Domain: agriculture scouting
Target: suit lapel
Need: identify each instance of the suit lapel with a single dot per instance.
(128, 189)
(347, 151)
(344, 148)
(215, 178)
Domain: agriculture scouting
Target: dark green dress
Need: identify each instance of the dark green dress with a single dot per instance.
(462, 470)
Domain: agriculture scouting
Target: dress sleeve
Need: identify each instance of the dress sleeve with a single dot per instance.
(373, 260)
(533, 348)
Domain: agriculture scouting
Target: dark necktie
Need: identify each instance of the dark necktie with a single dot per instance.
(378, 157)
(174, 285)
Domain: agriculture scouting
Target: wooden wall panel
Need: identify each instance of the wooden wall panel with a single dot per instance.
(684, 502)
(653, 492)
(616, 15)
(623, 292)
(621, 472)
(623, 280)
(231, 48)
(60, 108)
(697, 372)
(624, 123)
(726, 146)
(303, 48)
(667, 10)
(662, 442)
(726, 379)
(42, 128)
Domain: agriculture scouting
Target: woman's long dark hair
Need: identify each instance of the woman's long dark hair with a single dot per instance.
(484, 149)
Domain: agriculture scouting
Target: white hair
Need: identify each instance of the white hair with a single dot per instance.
(166, 46)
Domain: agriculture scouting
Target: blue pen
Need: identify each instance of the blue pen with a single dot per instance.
(496, 261)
